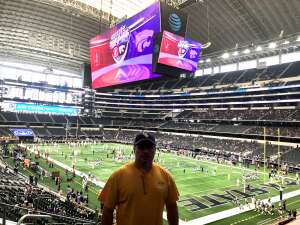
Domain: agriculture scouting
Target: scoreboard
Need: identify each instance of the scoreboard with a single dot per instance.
(126, 53)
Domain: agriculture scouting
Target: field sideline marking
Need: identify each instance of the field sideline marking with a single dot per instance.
(266, 220)
(221, 189)
(235, 211)
(240, 168)
(214, 163)
(198, 221)
(64, 166)
(99, 183)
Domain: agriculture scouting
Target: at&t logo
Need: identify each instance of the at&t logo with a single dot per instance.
(175, 22)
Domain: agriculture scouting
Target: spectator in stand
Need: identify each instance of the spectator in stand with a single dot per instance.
(35, 180)
(78, 198)
(140, 190)
(16, 169)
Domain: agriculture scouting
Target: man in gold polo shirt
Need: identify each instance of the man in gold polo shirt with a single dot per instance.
(139, 190)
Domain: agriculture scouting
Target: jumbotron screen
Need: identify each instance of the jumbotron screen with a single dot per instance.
(179, 52)
(123, 54)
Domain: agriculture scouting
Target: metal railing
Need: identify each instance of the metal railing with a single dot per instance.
(7, 212)
(33, 216)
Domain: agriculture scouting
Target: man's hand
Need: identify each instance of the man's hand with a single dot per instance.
(107, 216)
(172, 213)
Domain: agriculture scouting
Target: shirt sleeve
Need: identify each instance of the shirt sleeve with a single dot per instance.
(173, 194)
(109, 194)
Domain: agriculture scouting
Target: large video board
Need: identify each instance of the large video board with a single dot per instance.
(179, 52)
(123, 54)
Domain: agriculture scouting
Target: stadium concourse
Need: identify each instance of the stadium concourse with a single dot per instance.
(217, 84)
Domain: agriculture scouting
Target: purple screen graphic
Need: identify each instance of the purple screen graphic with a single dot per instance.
(179, 52)
(123, 54)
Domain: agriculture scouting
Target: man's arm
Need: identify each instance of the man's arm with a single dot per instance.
(172, 213)
(108, 197)
(107, 216)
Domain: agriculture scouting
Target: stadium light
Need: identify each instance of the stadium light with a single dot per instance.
(246, 51)
(206, 45)
(272, 45)
(235, 53)
(298, 39)
(208, 60)
(258, 48)
(225, 55)
(201, 61)
(286, 42)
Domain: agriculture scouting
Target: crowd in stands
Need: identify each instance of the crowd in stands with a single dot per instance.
(232, 128)
(203, 120)
(22, 195)
(213, 146)
(273, 131)
(187, 126)
(270, 74)
(243, 114)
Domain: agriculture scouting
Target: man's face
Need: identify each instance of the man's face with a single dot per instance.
(144, 153)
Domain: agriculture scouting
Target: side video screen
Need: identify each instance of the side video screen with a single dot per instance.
(179, 52)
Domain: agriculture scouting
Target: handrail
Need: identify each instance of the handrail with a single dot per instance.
(32, 216)
(52, 192)
(75, 219)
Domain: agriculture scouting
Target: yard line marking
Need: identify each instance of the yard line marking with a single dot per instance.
(235, 211)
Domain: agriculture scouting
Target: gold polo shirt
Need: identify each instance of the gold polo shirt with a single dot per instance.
(139, 197)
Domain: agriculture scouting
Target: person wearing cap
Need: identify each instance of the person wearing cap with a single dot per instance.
(139, 190)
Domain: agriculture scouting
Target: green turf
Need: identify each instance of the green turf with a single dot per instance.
(253, 217)
(191, 184)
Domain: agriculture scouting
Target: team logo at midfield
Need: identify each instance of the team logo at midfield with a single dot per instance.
(183, 48)
(119, 44)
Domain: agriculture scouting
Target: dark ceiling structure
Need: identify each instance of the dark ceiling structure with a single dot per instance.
(231, 23)
(56, 32)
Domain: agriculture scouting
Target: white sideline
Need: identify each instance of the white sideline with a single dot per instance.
(235, 211)
(231, 166)
(77, 172)
(202, 220)
(98, 183)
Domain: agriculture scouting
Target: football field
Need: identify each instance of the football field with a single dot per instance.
(205, 187)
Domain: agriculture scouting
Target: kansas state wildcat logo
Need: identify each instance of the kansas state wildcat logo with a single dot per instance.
(119, 44)
(193, 54)
(183, 48)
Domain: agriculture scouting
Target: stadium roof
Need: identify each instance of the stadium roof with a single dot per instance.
(230, 22)
(224, 23)
(119, 8)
